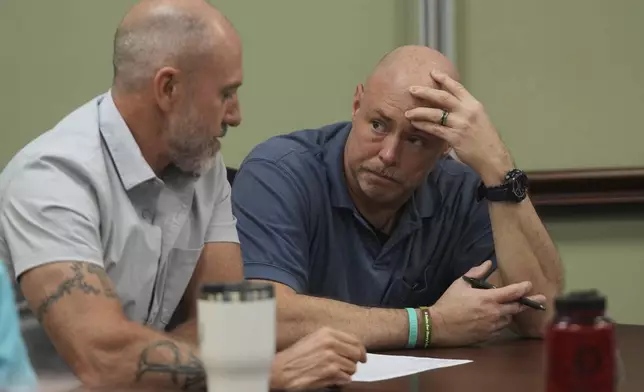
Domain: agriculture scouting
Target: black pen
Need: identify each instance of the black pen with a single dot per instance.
(481, 284)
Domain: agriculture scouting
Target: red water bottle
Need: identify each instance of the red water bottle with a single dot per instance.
(580, 345)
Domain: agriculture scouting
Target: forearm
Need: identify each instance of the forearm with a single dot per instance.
(131, 355)
(525, 251)
(523, 247)
(377, 328)
(540, 243)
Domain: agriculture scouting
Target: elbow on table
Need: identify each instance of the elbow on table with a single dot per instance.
(536, 325)
(101, 364)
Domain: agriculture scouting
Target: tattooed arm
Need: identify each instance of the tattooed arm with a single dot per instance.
(77, 305)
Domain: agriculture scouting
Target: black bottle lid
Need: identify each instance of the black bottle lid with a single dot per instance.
(586, 300)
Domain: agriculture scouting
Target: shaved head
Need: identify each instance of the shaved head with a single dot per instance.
(410, 65)
(158, 33)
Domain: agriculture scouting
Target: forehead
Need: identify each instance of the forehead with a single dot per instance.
(225, 64)
(390, 93)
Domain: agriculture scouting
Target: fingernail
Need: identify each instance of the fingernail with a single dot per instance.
(436, 72)
(413, 89)
(407, 114)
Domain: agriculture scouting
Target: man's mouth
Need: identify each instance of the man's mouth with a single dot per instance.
(383, 176)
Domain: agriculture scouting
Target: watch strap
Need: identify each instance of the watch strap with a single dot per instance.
(507, 191)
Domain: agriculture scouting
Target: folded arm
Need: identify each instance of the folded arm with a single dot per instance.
(78, 307)
(300, 315)
(526, 253)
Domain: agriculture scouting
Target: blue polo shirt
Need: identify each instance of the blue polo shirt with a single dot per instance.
(298, 226)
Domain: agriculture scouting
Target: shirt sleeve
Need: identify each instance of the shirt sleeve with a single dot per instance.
(223, 224)
(50, 213)
(272, 209)
(476, 245)
(15, 367)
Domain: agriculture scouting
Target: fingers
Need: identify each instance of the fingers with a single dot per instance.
(337, 370)
(502, 323)
(346, 345)
(351, 351)
(510, 292)
(510, 309)
(479, 271)
(347, 366)
(335, 380)
(355, 350)
(539, 298)
(433, 116)
(439, 98)
(345, 337)
(451, 85)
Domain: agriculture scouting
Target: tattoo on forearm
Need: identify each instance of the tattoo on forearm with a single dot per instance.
(78, 282)
(165, 358)
(106, 284)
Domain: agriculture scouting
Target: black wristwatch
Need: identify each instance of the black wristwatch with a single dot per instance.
(514, 188)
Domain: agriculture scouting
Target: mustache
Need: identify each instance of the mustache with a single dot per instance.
(382, 173)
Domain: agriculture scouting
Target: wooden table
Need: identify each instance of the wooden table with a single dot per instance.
(507, 365)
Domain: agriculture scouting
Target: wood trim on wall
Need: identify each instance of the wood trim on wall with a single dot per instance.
(587, 187)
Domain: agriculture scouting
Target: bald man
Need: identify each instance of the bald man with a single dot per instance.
(112, 220)
(369, 226)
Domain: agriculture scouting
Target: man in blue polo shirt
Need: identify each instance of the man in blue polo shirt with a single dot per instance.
(356, 221)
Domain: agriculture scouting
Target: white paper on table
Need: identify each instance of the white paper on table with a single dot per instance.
(383, 367)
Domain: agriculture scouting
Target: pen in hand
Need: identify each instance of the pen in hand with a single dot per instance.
(481, 284)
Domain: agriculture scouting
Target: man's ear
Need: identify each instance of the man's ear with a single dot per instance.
(165, 87)
(357, 98)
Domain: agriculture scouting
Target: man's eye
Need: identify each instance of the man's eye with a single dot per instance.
(416, 141)
(377, 126)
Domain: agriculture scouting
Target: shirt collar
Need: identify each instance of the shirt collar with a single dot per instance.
(128, 160)
(422, 204)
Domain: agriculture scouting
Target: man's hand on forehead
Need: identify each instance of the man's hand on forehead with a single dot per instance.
(455, 116)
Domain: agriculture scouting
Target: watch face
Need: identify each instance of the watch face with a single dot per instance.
(519, 184)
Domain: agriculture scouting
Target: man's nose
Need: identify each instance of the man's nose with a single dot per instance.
(233, 115)
(389, 151)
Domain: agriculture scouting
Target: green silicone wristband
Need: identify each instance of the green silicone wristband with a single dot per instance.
(413, 327)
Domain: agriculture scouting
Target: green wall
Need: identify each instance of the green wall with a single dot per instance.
(561, 79)
(563, 88)
(302, 60)
(563, 82)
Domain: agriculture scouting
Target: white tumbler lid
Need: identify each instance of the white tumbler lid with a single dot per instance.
(244, 291)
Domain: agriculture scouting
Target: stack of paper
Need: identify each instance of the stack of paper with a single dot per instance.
(382, 367)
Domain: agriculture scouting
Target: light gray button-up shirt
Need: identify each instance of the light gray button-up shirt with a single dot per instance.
(83, 192)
